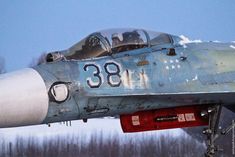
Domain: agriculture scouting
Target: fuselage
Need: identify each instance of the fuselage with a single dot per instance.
(154, 71)
(144, 79)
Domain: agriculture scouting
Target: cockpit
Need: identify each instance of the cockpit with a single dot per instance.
(112, 41)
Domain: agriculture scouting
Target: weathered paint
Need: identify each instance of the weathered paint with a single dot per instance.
(185, 82)
(141, 79)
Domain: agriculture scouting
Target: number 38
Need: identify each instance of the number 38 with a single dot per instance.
(96, 81)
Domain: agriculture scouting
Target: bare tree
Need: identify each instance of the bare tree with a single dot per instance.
(112, 145)
(2, 65)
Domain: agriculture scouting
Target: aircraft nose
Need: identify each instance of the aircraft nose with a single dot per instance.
(23, 98)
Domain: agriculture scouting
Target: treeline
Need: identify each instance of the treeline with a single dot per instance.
(100, 145)
(2, 65)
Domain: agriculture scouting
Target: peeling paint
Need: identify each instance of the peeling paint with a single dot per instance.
(184, 46)
(195, 78)
(127, 79)
(64, 110)
(98, 111)
(143, 79)
(143, 63)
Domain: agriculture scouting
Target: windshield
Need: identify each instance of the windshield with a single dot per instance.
(158, 38)
(91, 46)
(125, 39)
(113, 41)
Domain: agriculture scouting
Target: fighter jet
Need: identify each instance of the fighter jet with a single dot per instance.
(152, 80)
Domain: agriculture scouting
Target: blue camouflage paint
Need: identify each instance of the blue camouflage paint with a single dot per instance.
(142, 79)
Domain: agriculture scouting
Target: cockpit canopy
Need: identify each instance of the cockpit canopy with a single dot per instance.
(113, 41)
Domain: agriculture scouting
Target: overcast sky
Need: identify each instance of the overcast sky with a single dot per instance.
(29, 27)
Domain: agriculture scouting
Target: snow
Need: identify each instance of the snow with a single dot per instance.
(186, 40)
(108, 127)
(233, 47)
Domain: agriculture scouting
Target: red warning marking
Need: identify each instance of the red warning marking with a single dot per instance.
(187, 116)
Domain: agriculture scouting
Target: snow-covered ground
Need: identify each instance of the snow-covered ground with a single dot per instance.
(108, 127)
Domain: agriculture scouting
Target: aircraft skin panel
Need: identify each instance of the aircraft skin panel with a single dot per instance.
(147, 74)
(161, 74)
(168, 80)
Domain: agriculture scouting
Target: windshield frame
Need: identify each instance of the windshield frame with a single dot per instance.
(108, 49)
